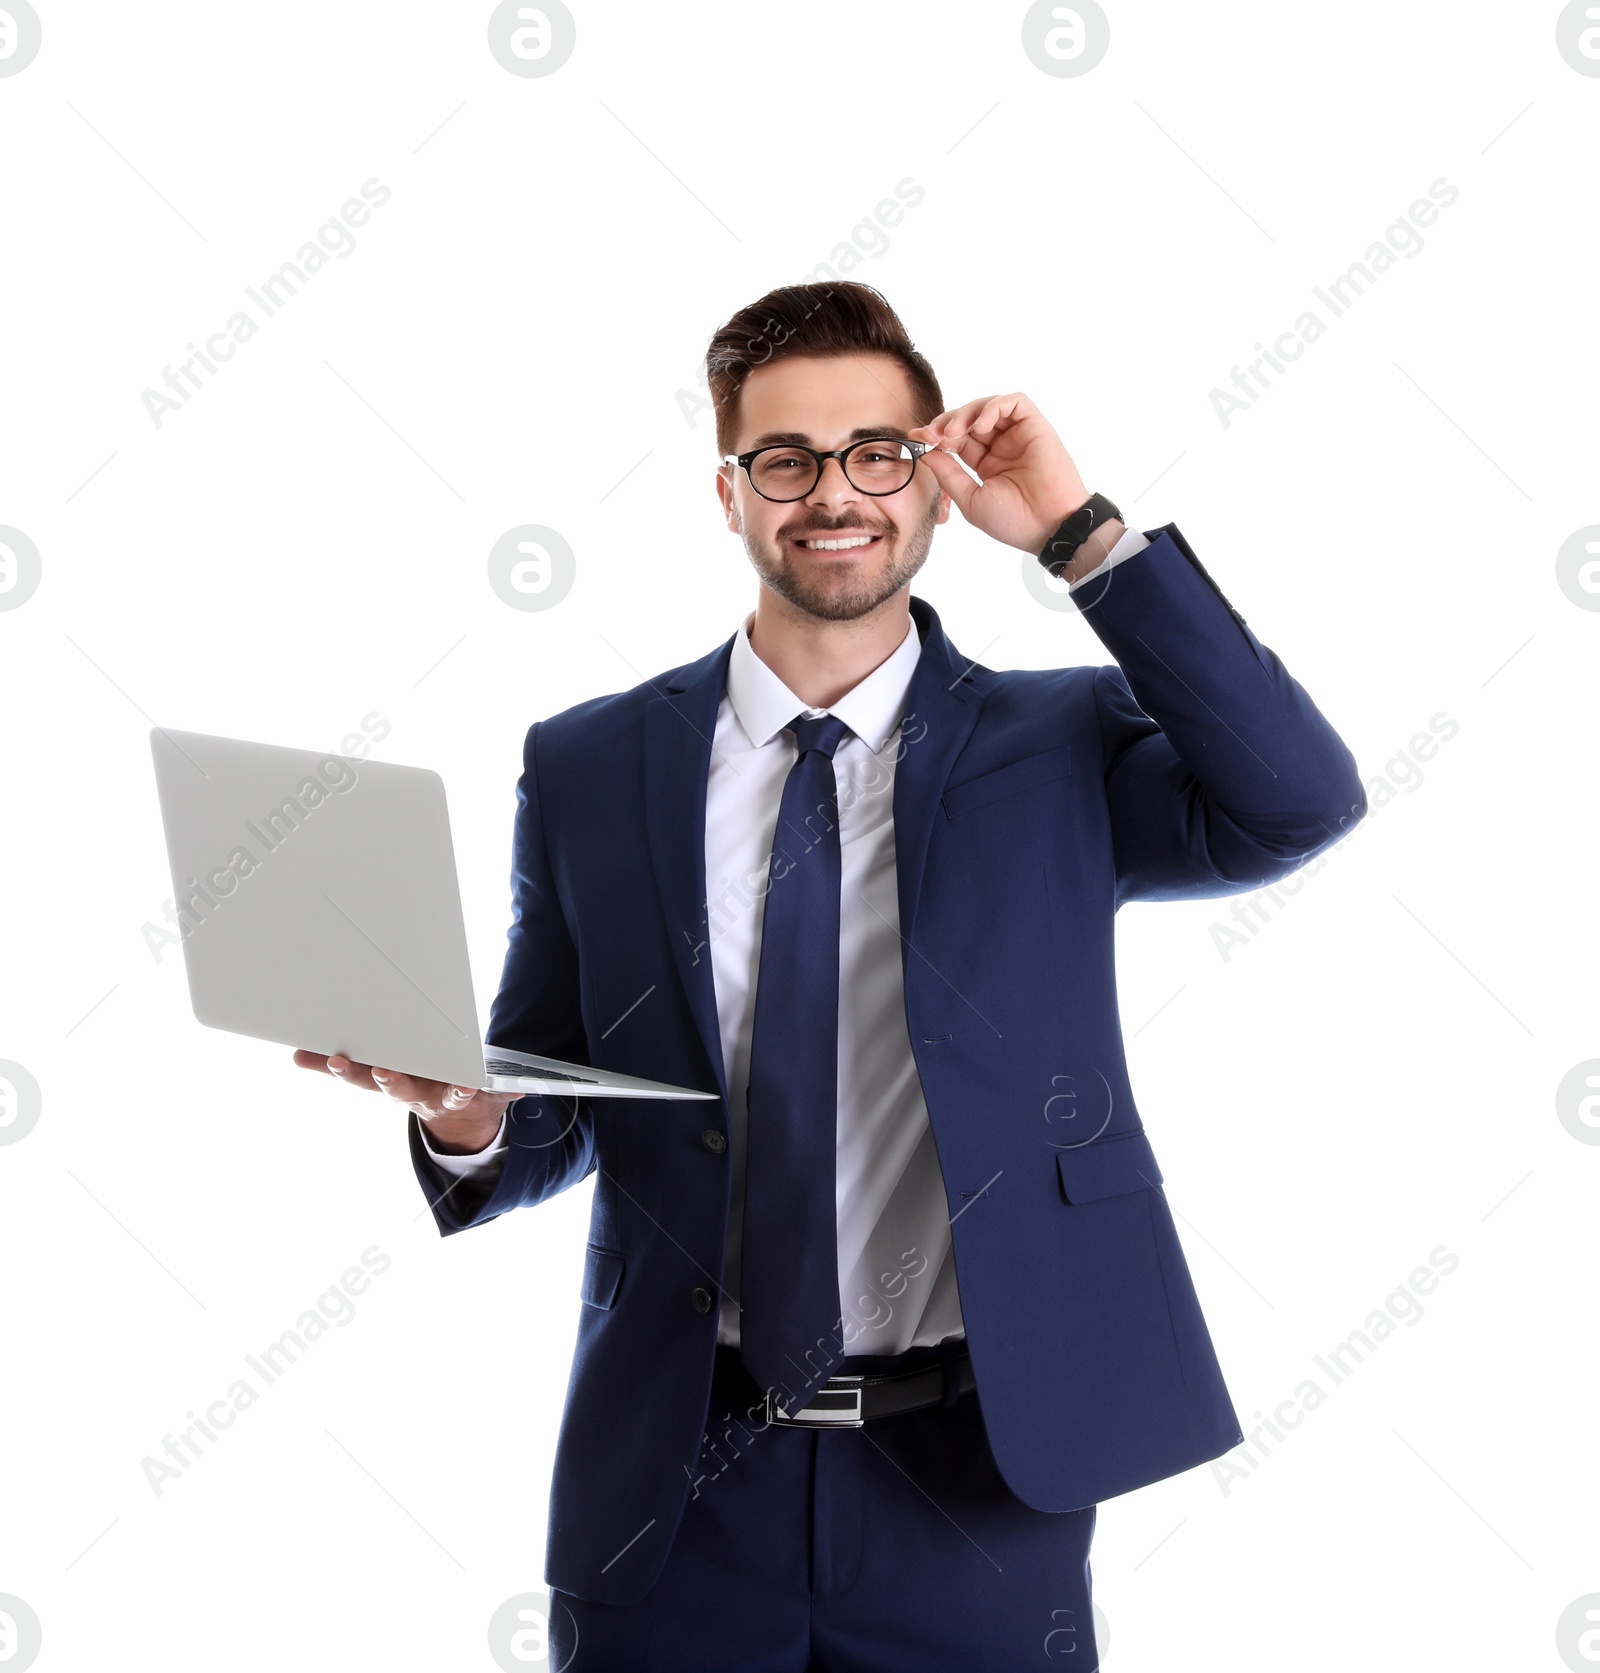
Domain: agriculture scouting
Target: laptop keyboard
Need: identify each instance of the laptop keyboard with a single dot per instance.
(523, 1071)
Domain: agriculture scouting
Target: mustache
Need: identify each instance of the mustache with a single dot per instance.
(813, 526)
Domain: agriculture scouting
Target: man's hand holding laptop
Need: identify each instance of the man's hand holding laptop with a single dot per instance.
(330, 919)
(459, 1120)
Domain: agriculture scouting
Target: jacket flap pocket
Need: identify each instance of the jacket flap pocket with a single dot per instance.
(602, 1273)
(1042, 768)
(1107, 1167)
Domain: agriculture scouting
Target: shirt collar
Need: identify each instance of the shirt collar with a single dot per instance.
(872, 708)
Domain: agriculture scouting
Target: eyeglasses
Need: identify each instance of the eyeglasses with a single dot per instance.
(880, 465)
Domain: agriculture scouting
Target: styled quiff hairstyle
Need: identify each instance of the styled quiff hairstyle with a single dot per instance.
(813, 321)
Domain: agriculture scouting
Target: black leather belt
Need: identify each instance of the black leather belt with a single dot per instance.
(849, 1402)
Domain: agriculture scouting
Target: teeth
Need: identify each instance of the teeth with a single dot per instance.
(838, 545)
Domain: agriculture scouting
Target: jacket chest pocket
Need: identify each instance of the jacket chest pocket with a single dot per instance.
(1047, 766)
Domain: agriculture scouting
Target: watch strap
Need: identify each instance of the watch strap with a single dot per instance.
(1075, 529)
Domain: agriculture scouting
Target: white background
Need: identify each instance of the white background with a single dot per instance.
(1371, 1076)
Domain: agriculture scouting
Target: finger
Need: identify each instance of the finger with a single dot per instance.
(351, 1072)
(958, 445)
(311, 1060)
(1005, 412)
(959, 419)
(952, 479)
(974, 452)
(407, 1089)
(995, 416)
(972, 436)
(935, 430)
(943, 443)
(433, 1096)
(931, 432)
(993, 422)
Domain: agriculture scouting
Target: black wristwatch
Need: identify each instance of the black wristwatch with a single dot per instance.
(1061, 546)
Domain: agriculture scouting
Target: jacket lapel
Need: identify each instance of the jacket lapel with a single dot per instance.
(679, 726)
(941, 710)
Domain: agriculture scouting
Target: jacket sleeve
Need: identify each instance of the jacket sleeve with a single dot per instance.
(549, 1139)
(1221, 774)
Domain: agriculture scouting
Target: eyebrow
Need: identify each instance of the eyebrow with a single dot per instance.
(783, 438)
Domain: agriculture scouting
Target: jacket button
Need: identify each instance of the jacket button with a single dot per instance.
(713, 1141)
(702, 1300)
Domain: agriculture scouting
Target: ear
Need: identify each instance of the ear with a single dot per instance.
(730, 509)
(944, 507)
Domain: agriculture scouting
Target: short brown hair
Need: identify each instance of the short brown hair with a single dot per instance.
(815, 321)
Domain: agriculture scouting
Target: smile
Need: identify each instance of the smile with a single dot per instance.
(841, 543)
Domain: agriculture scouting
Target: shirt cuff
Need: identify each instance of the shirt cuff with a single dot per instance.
(474, 1162)
(1132, 541)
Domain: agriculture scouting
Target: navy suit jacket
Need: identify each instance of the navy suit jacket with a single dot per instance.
(1028, 806)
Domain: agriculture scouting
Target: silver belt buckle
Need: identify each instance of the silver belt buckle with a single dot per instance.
(835, 1404)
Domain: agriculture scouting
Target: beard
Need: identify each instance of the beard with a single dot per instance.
(844, 592)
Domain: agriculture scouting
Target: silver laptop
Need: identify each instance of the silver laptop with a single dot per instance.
(319, 908)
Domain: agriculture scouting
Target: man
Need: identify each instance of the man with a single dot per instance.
(864, 1347)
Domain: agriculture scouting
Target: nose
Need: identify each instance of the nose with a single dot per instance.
(833, 487)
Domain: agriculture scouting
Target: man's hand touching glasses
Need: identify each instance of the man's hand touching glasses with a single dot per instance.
(1028, 483)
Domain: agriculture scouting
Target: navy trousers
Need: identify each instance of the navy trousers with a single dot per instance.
(893, 1548)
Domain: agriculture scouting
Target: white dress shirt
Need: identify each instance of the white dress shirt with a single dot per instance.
(897, 1279)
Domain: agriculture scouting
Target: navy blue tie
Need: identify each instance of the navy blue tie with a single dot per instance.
(789, 1320)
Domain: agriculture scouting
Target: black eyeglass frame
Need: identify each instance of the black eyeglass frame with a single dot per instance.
(918, 448)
